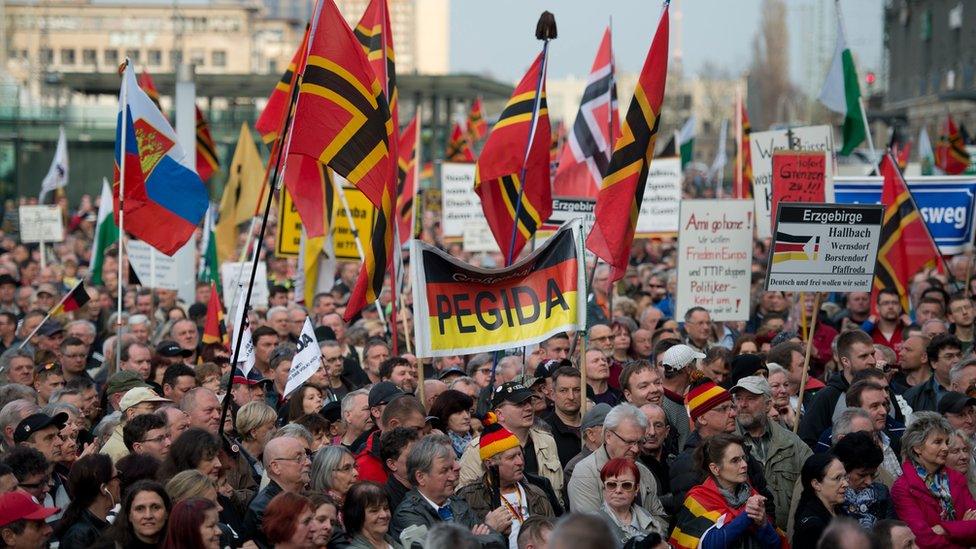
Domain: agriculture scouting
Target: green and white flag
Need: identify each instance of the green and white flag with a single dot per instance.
(209, 266)
(926, 155)
(686, 141)
(842, 94)
(106, 233)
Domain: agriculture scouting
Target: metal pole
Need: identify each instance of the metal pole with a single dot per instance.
(122, 154)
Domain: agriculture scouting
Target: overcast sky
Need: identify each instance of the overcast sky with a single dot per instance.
(497, 37)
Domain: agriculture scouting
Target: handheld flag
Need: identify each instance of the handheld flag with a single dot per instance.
(743, 188)
(214, 328)
(950, 152)
(685, 141)
(307, 360)
(586, 155)
(376, 36)
(147, 85)
(717, 171)
(925, 154)
(906, 245)
(342, 118)
(242, 192)
(57, 174)
(207, 163)
(75, 300)
(841, 92)
(209, 264)
(504, 162)
(245, 358)
(477, 126)
(164, 200)
(106, 233)
(458, 148)
(407, 179)
(619, 201)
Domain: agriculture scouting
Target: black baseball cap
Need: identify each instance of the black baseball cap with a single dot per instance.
(172, 349)
(451, 372)
(8, 279)
(513, 392)
(383, 392)
(50, 327)
(547, 367)
(954, 402)
(332, 411)
(35, 422)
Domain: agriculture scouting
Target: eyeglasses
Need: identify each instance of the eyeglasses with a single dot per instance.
(297, 459)
(723, 409)
(36, 485)
(157, 440)
(612, 485)
(626, 442)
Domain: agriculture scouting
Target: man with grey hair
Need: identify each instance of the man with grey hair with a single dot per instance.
(11, 415)
(623, 432)
(357, 420)
(962, 376)
(581, 531)
(15, 391)
(17, 364)
(140, 327)
(296, 321)
(277, 319)
(768, 442)
(852, 420)
(432, 470)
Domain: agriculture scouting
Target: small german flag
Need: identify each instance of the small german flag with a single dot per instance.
(75, 299)
(214, 327)
(790, 247)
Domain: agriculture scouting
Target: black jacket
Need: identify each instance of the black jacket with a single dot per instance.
(84, 533)
(810, 520)
(923, 397)
(819, 414)
(414, 510)
(567, 438)
(255, 514)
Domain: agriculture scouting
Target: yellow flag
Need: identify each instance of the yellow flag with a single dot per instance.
(241, 194)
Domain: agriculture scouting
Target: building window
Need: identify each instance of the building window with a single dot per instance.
(198, 57)
(67, 56)
(111, 57)
(133, 55)
(89, 57)
(218, 58)
(47, 56)
(154, 57)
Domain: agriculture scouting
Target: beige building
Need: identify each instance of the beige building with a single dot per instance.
(420, 32)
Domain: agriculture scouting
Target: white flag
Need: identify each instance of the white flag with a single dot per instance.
(57, 174)
(245, 360)
(717, 170)
(307, 361)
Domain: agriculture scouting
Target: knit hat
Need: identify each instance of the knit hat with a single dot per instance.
(495, 439)
(704, 397)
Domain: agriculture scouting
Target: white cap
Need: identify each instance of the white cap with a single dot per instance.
(139, 395)
(680, 355)
(756, 385)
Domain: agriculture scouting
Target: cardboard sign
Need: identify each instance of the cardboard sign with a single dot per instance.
(478, 238)
(567, 208)
(762, 145)
(824, 247)
(715, 258)
(662, 194)
(800, 176)
(461, 309)
(230, 274)
(289, 239)
(363, 216)
(41, 223)
(154, 268)
(459, 203)
(946, 203)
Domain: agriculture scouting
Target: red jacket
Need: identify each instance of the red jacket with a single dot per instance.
(916, 505)
(368, 462)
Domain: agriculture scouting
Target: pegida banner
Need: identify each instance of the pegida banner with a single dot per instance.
(460, 309)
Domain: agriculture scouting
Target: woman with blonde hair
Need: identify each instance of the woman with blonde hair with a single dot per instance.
(255, 423)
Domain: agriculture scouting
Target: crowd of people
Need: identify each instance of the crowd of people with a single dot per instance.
(648, 429)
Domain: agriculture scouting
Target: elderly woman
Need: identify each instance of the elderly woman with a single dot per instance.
(961, 457)
(725, 498)
(824, 481)
(933, 499)
(255, 422)
(621, 478)
(334, 472)
(782, 388)
(866, 499)
(367, 513)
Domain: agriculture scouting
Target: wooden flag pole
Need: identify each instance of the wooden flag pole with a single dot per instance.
(582, 388)
(806, 359)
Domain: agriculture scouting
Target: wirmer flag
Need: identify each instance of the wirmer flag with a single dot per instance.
(950, 152)
(458, 148)
(149, 86)
(106, 233)
(207, 163)
(214, 328)
(164, 200)
(376, 36)
(503, 162)
(477, 126)
(906, 245)
(841, 92)
(342, 118)
(586, 155)
(407, 179)
(619, 201)
(743, 187)
(75, 300)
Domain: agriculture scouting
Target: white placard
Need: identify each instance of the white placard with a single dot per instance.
(459, 203)
(662, 194)
(41, 223)
(715, 258)
(478, 237)
(154, 268)
(229, 273)
(761, 147)
(307, 360)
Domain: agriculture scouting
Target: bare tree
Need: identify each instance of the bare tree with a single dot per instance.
(770, 67)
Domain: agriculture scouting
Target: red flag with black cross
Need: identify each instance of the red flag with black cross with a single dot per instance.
(619, 201)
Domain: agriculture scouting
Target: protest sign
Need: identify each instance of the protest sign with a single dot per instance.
(824, 247)
(289, 239)
(461, 309)
(801, 176)
(946, 203)
(662, 194)
(363, 216)
(459, 203)
(567, 208)
(245, 357)
(40, 223)
(715, 258)
(478, 238)
(154, 268)
(230, 275)
(763, 144)
(307, 360)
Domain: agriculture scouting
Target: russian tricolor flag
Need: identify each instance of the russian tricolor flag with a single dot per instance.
(164, 199)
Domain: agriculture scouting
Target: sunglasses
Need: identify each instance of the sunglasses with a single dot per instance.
(612, 485)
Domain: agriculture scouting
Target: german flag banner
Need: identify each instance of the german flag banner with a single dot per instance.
(461, 309)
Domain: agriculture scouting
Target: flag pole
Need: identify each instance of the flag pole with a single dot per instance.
(394, 173)
(545, 31)
(122, 154)
(806, 358)
(48, 315)
(738, 193)
(359, 243)
(867, 131)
